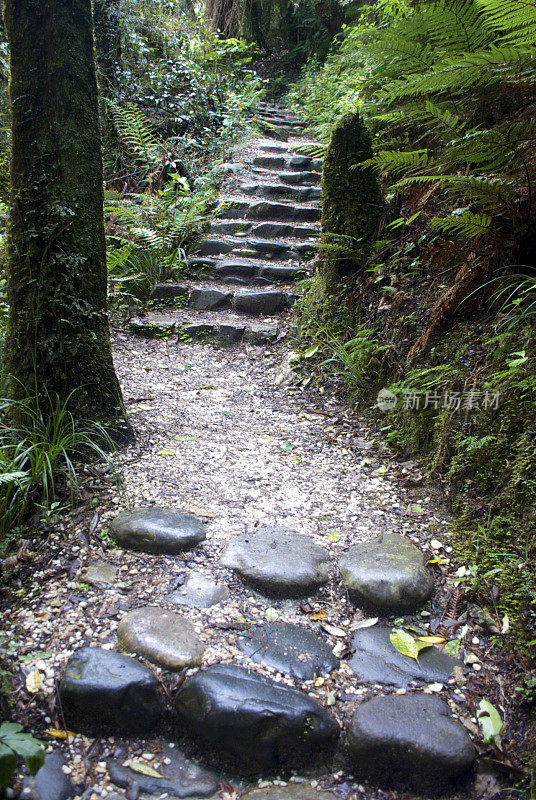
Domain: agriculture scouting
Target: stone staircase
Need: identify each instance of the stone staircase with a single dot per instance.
(255, 250)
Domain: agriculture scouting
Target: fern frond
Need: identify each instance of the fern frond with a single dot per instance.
(397, 162)
(135, 133)
(514, 19)
(466, 224)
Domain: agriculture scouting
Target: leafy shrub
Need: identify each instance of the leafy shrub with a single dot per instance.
(15, 743)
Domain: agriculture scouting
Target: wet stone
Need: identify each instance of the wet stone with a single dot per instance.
(209, 299)
(242, 269)
(297, 178)
(50, 782)
(377, 661)
(180, 778)
(198, 330)
(103, 692)
(282, 273)
(199, 591)
(100, 574)
(259, 722)
(300, 162)
(230, 332)
(291, 649)
(387, 574)
(162, 637)
(260, 303)
(272, 229)
(278, 562)
(294, 791)
(260, 333)
(157, 530)
(213, 247)
(269, 162)
(169, 293)
(408, 740)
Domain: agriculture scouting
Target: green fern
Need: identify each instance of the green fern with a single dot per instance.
(515, 20)
(136, 134)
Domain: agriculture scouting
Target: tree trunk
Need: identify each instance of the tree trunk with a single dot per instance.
(58, 335)
(107, 26)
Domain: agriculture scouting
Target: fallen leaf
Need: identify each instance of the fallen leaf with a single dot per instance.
(332, 630)
(334, 536)
(432, 639)
(166, 452)
(330, 698)
(320, 681)
(318, 615)
(406, 644)
(490, 721)
(363, 623)
(271, 614)
(60, 734)
(142, 768)
(34, 681)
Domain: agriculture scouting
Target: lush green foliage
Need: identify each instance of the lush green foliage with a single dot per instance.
(13, 743)
(40, 445)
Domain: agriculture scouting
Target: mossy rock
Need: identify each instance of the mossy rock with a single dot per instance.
(352, 201)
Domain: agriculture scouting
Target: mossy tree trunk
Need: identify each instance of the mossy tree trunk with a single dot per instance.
(351, 204)
(58, 334)
(106, 20)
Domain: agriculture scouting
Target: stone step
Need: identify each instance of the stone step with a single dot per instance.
(243, 210)
(300, 178)
(280, 191)
(262, 229)
(244, 272)
(227, 328)
(212, 297)
(282, 211)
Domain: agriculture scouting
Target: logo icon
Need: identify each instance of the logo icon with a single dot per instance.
(386, 400)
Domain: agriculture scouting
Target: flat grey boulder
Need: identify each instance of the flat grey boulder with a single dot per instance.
(294, 791)
(257, 303)
(180, 778)
(162, 637)
(157, 530)
(199, 591)
(103, 692)
(291, 649)
(386, 574)
(376, 660)
(99, 574)
(261, 723)
(277, 562)
(260, 333)
(408, 740)
(209, 299)
(50, 782)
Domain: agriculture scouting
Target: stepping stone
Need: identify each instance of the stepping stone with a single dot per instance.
(294, 791)
(169, 292)
(291, 649)
(198, 330)
(50, 782)
(377, 661)
(266, 210)
(260, 303)
(273, 229)
(278, 562)
(229, 228)
(152, 325)
(408, 740)
(181, 777)
(276, 273)
(162, 637)
(100, 574)
(299, 178)
(261, 723)
(199, 592)
(230, 332)
(300, 162)
(274, 148)
(107, 693)
(278, 190)
(209, 299)
(157, 530)
(387, 574)
(235, 209)
(213, 247)
(260, 333)
(270, 249)
(242, 269)
(302, 231)
(269, 162)
(202, 262)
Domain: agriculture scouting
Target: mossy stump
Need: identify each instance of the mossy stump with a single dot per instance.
(352, 202)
